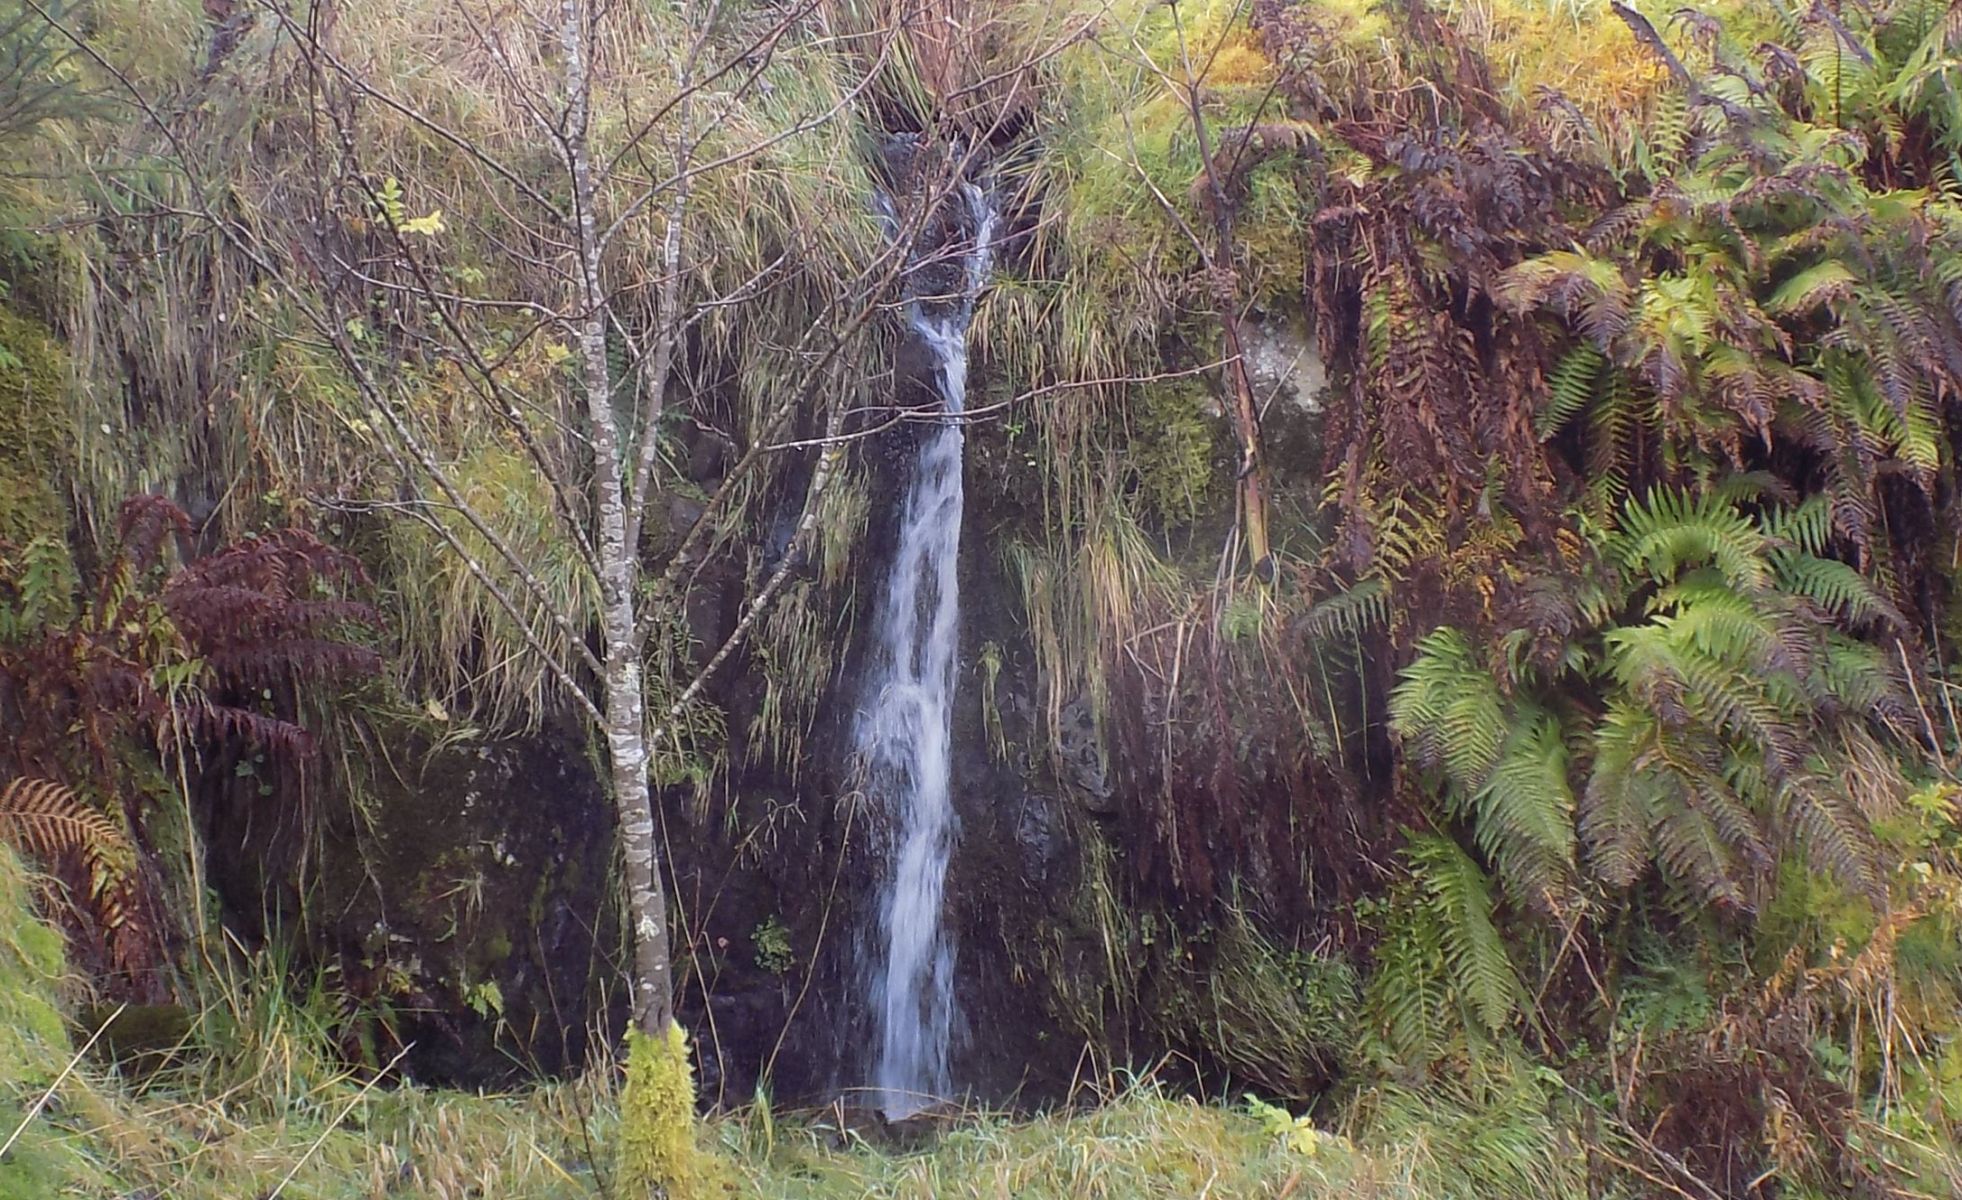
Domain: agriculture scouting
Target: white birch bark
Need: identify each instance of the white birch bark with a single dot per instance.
(624, 722)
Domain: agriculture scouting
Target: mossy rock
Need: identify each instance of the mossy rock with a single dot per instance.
(461, 892)
(1175, 446)
(36, 445)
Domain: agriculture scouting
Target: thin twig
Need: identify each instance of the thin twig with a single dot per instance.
(336, 1122)
(35, 1110)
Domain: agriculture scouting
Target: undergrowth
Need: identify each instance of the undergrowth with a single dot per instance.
(251, 1102)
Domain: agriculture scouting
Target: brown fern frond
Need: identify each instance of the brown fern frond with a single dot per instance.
(48, 820)
(141, 529)
(223, 722)
(276, 661)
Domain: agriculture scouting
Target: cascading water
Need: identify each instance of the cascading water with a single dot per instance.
(904, 728)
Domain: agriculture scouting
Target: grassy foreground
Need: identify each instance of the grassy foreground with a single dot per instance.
(254, 1105)
(256, 1109)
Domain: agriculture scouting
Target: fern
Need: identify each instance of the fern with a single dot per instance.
(1805, 527)
(1611, 426)
(1505, 768)
(1837, 588)
(1692, 848)
(1571, 387)
(46, 819)
(1835, 837)
(1620, 795)
(1820, 284)
(1523, 815)
(1589, 290)
(1348, 613)
(1448, 707)
(1442, 969)
(1409, 999)
(1672, 529)
(1458, 898)
(165, 665)
(1667, 136)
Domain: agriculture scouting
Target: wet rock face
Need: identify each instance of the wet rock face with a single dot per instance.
(1283, 363)
(752, 884)
(461, 907)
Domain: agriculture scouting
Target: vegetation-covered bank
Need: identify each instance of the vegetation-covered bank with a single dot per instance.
(253, 1103)
(1458, 586)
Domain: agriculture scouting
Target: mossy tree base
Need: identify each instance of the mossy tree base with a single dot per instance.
(658, 1155)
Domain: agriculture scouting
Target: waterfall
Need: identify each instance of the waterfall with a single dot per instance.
(905, 725)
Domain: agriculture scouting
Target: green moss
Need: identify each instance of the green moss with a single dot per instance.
(658, 1156)
(1172, 446)
(34, 437)
(39, 949)
(33, 1040)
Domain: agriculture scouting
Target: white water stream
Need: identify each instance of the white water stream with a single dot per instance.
(904, 728)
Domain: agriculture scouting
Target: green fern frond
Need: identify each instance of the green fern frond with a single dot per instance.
(1667, 135)
(1571, 388)
(1347, 613)
(1693, 850)
(1611, 427)
(1409, 998)
(1806, 526)
(1863, 678)
(1822, 283)
(1458, 895)
(1448, 707)
(1672, 530)
(1719, 798)
(1836, 587)
(1523, 817)
(1615, 806)
(1833, 835)
(1589, 290)
(1706, 616)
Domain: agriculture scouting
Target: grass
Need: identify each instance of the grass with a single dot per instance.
(254, 398)
(34, 441)
(257, 1107)
(1143, 1145)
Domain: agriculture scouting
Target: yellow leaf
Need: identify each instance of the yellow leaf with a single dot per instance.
(428, 226)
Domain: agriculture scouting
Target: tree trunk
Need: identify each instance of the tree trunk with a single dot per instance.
(1245, 412)
(624, 718)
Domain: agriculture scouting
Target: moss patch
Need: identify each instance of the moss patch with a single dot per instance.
(35, 446)
(1173, 446)
(658, 1156)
